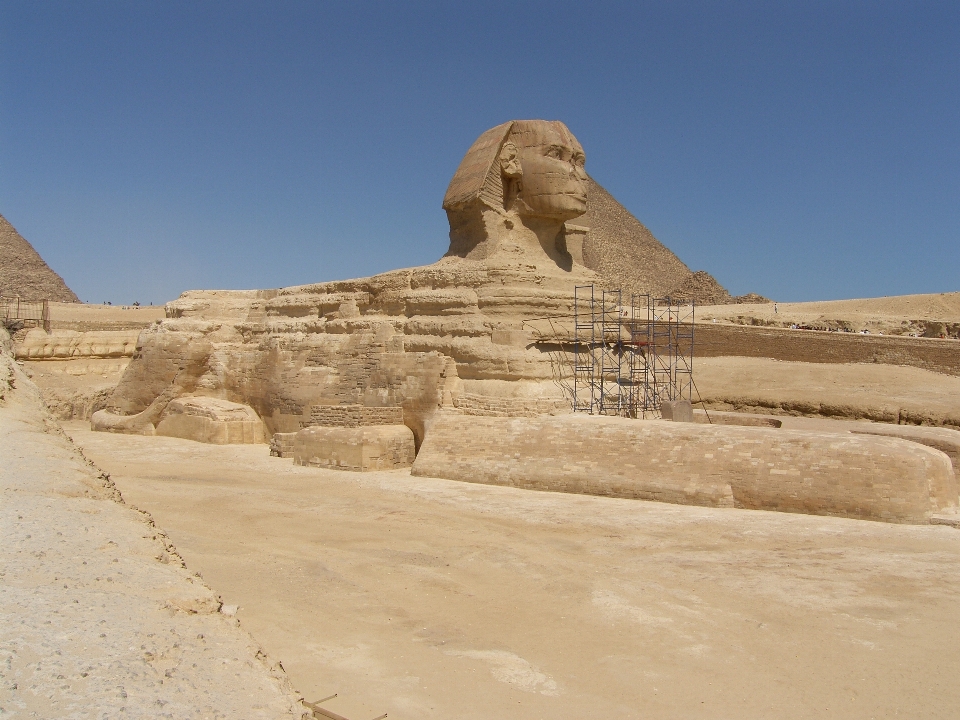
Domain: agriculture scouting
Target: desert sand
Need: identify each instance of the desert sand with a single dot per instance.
(88, 316)
(430, 598)
(894, 315)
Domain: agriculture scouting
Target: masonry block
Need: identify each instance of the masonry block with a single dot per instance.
(375, 447)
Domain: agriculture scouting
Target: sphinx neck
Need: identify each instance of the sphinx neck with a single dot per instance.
(540, 236)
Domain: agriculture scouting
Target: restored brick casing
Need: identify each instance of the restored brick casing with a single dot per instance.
(760, 468)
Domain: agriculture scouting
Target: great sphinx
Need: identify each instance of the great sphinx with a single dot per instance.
(452, 335)
(380, 372)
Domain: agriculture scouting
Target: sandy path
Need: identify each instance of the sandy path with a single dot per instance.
(97, 618)
(435, 599)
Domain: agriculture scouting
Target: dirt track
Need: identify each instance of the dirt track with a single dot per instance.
(437, 599)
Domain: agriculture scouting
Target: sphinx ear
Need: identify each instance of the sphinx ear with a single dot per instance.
(509, 160)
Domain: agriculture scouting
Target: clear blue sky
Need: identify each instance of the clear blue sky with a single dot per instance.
(802, 150)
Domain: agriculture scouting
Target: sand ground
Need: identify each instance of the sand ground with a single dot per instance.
(435, 599)
(898, 314)
(88, 316)
(852, 390)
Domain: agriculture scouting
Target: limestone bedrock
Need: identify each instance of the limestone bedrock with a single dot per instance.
(415, 338)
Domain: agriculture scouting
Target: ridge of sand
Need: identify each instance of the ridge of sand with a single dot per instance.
(98, 615)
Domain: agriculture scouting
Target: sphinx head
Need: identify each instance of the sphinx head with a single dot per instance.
(525, 171)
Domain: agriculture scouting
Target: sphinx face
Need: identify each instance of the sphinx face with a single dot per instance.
(552, 184)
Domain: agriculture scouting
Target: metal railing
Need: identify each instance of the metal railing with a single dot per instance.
(29, 313)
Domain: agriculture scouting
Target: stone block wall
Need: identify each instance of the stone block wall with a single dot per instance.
(945, 440)
(353, 416)
(380, 447)
(687, 463)
(282, 444)
(815, 346)
(484, 405)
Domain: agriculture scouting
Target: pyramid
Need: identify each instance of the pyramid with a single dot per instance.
(629, 257)
(23, 272)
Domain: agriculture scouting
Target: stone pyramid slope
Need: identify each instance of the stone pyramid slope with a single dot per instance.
(703, 288)
(628, 256)
(24, 273)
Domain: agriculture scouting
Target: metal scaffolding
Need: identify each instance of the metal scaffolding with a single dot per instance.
(630, 358)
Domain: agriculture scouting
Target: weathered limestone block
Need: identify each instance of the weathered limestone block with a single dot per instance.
(376, 447)
(677, 410)
(473, 404)
(211, 420)
(236, 305)
(719, 417)
(757, 468)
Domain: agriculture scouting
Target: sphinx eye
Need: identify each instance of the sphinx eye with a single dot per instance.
(578, 160)
(555, 152)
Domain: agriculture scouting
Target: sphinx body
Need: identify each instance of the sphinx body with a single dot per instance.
(450, 335)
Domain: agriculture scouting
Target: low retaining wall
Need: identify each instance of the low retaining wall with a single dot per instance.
(818, 473)
(815, 346)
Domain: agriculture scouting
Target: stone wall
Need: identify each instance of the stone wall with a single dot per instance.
(687, 463)
(815, 346)
(945, 440)
(353, 416)
(473, 404)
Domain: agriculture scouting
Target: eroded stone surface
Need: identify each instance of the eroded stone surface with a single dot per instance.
(212, 421)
